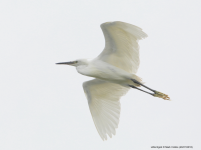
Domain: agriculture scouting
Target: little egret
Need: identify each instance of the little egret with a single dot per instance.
(114, 71)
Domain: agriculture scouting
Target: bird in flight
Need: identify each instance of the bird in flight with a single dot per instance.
(114, 71)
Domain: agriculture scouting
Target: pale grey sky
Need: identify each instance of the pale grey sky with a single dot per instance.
(43, 106)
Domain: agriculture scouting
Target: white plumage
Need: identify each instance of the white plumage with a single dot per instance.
(103, 99)
(115, 70)
(121, 45)
(122, 51)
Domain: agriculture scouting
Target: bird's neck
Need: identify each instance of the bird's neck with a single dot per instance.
(83, 69)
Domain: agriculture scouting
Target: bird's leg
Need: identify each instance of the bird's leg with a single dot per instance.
(141, 90)
(156, 93)
(137, 82)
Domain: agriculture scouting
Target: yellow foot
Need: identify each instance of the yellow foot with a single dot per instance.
(161, 95)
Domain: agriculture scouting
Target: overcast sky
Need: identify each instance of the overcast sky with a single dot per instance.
(43, 106)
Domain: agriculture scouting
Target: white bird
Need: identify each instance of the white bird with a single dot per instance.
(114, 71)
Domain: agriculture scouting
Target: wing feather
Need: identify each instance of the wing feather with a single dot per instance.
(121, 45)
(103, 99)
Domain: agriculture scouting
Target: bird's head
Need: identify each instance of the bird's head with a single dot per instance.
(75, 63)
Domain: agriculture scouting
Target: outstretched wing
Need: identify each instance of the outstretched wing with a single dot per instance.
(121, 45)
(103, 99)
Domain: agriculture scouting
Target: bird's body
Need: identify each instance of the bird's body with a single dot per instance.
(104, 71)
(114, 71)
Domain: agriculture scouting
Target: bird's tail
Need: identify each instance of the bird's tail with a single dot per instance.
(138, 79)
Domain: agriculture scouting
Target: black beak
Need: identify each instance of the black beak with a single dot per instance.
(66, 63)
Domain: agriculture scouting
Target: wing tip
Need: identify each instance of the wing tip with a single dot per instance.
(132, 29)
